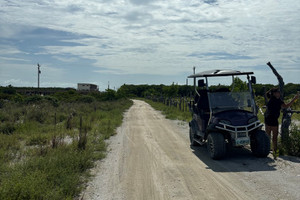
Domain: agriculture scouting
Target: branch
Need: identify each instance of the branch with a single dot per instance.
(279, 78)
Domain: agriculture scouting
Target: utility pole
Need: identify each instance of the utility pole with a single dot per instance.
(194, 69)
(39, 72)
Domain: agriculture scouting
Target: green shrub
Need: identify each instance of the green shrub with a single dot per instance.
(3, 117)
(7, 128)
(61, 117)
(109, 95)
(18, 98)
(53, 176)
(294, 141)
(86, 99)
(37, 115)
(54, 101)
(54, 170)
(33, 99)
(171, 112)
(9, 90)
(1, 103)
(37, 139)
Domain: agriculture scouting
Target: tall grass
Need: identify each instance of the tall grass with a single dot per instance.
(170, 112)
(40, 158)
(292, 145)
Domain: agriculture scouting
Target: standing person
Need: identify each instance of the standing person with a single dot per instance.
(273, 112)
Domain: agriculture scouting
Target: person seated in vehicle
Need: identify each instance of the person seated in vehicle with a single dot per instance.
(202, 105)
(202, 101)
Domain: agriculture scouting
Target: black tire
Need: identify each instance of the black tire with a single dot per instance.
(260, 144)
(192, 136)
(216, 145)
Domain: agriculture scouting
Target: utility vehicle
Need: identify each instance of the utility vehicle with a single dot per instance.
(226, 117)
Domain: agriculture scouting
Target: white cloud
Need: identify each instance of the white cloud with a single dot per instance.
(66, 59)
(13, 59)
(157, 37)
(9, 50)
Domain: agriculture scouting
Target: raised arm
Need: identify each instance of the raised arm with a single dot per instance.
(284, 105)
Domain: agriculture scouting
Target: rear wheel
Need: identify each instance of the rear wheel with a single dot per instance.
(260, 144)
(216, 145)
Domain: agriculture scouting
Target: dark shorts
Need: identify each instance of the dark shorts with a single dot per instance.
(271, 121)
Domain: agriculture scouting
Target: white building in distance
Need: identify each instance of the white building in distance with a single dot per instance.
(87, 87)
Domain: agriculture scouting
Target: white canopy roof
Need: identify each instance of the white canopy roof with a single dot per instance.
(217, 72)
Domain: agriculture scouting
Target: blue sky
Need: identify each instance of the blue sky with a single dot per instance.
(145, 41)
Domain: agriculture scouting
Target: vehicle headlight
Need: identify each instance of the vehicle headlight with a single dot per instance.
(224, 121)
(251, 120)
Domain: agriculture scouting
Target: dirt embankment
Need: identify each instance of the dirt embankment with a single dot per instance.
(150, 158)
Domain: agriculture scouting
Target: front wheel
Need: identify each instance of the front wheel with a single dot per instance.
(260, 144)
(216, 145)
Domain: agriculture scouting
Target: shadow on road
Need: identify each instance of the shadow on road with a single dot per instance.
(236, 160)
(290, 158)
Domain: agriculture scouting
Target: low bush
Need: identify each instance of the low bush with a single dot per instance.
(171, 112)
(37, 114)
(37, 139)
(54, 101)
(53, 176)
(1, 103)
(293, 144)
(86, 99)
(7, 128)
(33, 99)
(40, 159)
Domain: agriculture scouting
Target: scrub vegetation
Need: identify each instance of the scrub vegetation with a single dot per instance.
(171, 112)
(48, 143)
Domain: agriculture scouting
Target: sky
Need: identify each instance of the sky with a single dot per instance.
(145, 41)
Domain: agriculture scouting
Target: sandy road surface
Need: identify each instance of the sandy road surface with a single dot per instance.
(150, 158)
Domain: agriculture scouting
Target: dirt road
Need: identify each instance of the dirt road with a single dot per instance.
(150, 158)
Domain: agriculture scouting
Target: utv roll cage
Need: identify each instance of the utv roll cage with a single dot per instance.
(218, 73)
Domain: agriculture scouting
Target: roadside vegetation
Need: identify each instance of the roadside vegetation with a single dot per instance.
(48, 143)
(171, 112)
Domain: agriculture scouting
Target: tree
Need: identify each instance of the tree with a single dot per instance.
(239, 85)
(171, 91)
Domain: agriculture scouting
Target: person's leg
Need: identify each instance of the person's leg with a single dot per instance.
(268, 131)
(274, 138)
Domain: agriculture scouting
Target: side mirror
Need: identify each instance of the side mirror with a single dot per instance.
(201, 83)
(253, 79)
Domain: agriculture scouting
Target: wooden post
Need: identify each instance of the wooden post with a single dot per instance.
(80, 125)
(180, 104)
(55, 119)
